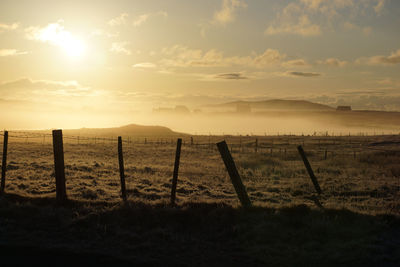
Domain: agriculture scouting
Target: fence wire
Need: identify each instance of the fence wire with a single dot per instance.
(283, 149)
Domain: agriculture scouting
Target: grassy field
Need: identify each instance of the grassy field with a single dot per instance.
(359, 225)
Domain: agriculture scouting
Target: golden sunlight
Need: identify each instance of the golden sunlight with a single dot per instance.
(55, 34)
(74, 48)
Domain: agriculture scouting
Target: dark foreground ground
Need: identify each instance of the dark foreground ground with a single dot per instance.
(37, 231)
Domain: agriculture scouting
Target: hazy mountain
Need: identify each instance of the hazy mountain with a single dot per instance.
(278, 104)
(127, 130)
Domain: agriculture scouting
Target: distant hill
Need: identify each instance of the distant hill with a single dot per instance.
(277, 105)
(128, 130)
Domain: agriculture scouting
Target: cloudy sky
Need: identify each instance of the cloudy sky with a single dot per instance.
(103, 56)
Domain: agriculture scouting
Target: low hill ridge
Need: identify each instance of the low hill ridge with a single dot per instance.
(280, 104)
(127, 130)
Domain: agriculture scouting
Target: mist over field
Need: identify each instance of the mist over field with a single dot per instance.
(200, 133)
(270, 117)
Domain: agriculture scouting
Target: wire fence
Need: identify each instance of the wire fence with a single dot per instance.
(158, 163)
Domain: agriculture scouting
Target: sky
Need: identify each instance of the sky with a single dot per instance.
(86, 62)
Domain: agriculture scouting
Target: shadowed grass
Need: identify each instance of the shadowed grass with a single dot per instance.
(193, 234)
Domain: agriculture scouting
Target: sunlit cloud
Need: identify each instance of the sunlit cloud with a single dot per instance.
(120, 48)
(333, 62)
(26, 88)
(228, 10)
(182, 56)
(55, 34)
(120, 20)
(8, 27)
(393, 59)
(367, 30)
(144, 17)
(100, 32)
(379, 6)
(302, 26)
(296, 63)
(11, 52)
(144, 65)
(313, 17)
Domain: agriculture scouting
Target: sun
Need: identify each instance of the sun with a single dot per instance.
(74, 48)
(55, 34)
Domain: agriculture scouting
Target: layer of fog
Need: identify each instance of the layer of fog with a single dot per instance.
(203, 124)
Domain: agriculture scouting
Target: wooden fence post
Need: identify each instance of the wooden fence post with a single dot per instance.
(256, 146)
(59, 169)
(191, 140)
(4, 163)
(121, 168)
(309, 169)
(176, 169)
(233, 174)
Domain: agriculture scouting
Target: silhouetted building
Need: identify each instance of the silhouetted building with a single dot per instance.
(343, 108)
(182, 109)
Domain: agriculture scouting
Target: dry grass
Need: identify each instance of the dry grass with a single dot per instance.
(367, 183)
(360, 225)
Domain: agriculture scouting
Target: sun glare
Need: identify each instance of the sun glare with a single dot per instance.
(74, 48)
(55, 34)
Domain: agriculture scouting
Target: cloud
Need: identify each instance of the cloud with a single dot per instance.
(389, 83)
(379, 6)
(293, 20)
(302, 27)
(231, 76)
(100, 32)
(353, 27)
(333, 62)
(227, 13)
(55, 34)
(120, 20)
(312, 17)
(329, 8)
(26, 88)
(388, 100)
(304, 74)
(8, 27)
(11, 52)
(350, 26)
(367, 31)
(296, 63)
(120, 48)
(145, 65)
(144, 17)
(182, 56)
(393, 59)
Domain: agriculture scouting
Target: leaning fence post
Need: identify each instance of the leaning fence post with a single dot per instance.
(58, 149)
(4, 163)
(233, 174)
(121, 168)
(309, 169)
(176, 169)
